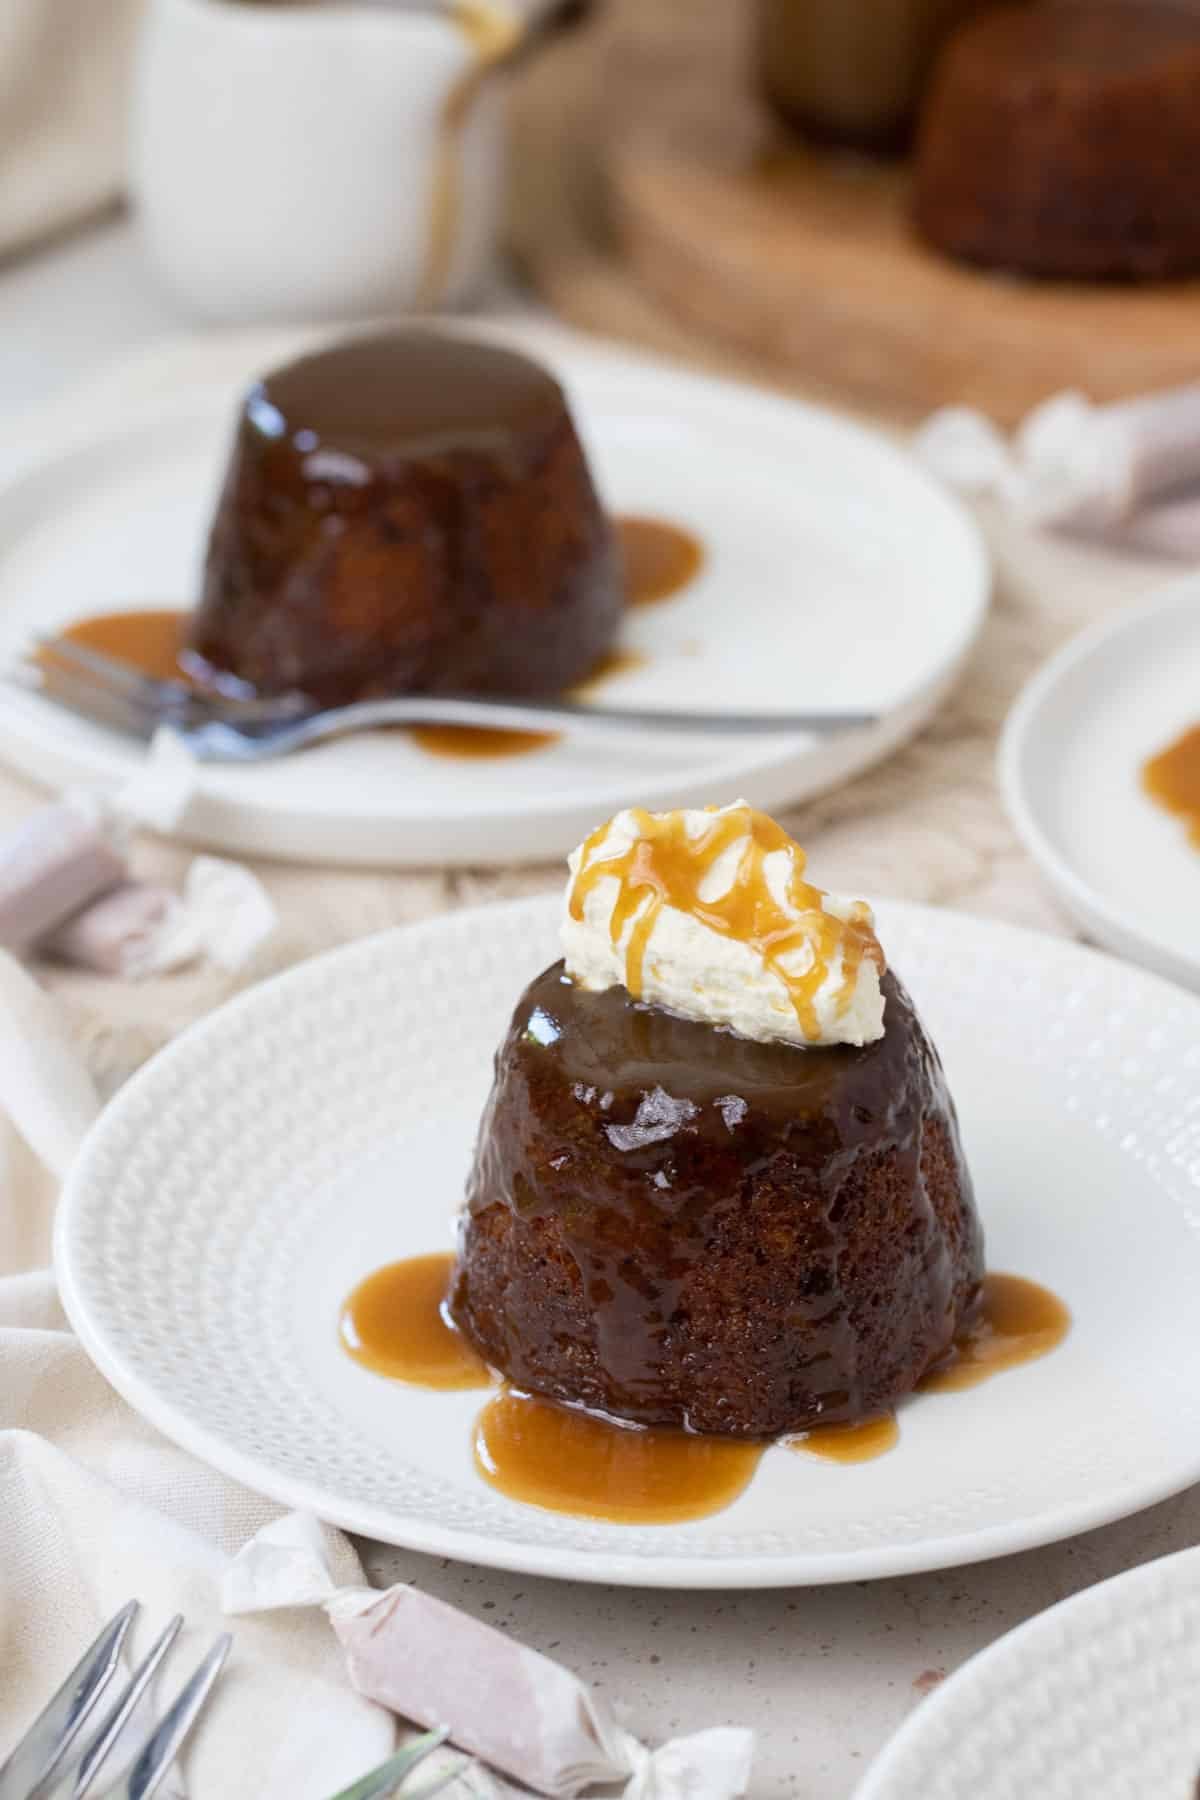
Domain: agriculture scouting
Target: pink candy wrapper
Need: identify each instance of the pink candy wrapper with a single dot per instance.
(65, 892)
(122, 933)
(515, 1710)
(1127, 473)
(54, 862)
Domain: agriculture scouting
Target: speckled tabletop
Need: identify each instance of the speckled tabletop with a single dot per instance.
(824, 1675)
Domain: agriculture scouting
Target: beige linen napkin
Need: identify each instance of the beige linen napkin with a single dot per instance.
(96, 1507)
(64, 76)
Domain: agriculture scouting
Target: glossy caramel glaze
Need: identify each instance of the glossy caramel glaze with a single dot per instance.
(666, 866)
(672, 1224)
(394, 1323)
(544, 1454)
(1173, 778)
(851, 1443)
(475, 742)
(659, 559)
(408, 513)
(567, 1461)
(1017, 1322)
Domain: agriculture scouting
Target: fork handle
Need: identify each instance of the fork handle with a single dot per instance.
(559, 715)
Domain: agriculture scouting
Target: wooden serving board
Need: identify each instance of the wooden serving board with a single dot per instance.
(655, 200)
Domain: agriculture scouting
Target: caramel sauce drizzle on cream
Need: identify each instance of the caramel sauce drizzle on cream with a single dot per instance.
(665, 866)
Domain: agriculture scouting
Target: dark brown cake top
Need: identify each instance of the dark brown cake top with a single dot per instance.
(650, 1077)
(1083, 39)
(415, 392)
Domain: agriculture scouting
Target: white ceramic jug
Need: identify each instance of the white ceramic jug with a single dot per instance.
(314, 161)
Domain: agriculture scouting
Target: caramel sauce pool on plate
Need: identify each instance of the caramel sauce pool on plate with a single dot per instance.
(394, 1323)
(479, 740)
(1173, 779)
(660, 559)
(568, 1461)
(149, 641)
(1018, 1321)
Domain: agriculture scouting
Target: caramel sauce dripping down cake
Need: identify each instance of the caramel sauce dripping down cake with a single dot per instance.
(718, 1183)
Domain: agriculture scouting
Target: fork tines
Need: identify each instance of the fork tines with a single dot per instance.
(41, 1766)
(118, 694)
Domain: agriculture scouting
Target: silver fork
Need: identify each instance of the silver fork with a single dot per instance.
(47, 1763)
(218, 728)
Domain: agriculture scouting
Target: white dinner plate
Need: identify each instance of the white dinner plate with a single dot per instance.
(320, 1126)
(1070, 766)
(1094, 1699)
(837, 575)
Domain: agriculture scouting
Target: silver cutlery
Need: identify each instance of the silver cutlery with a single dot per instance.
(58, 1760)
(234, 728)
(52, 1760)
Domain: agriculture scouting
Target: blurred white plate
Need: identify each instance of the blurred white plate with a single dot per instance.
(837, 575)
(1070, 766)
(1095, 1699)
(239, 1187)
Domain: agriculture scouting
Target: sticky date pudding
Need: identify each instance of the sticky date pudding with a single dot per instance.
(747, 1221)
(408, 513)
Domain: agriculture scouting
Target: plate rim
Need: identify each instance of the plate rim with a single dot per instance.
(1085, 904)
(783, 769)
(873, 1785)
(707, 1572)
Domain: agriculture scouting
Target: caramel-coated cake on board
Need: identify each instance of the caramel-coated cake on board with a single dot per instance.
(408, 513)
(1063, 139)
(718, 1182)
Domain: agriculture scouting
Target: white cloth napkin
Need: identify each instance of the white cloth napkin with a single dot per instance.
(1127, 473)
(96, 1507)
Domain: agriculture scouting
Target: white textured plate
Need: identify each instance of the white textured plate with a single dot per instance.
(837, 575)
(1095, 1699)
(1070, 766)
(320, 1126)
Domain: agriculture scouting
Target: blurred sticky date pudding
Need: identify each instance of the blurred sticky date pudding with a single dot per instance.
(404, 514)
(718, 1183)
(1054, 138)
(411, 512)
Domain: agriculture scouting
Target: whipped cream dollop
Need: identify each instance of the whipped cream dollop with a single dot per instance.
(707, 913)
